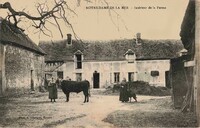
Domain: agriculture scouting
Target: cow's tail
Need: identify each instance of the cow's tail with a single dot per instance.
(89, 89)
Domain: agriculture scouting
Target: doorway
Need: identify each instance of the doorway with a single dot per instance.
(60, 74)
(96, 78)
(32, 82)
(130, 76)
(167, 79)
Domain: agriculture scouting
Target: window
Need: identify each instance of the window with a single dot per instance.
(60, 74)
(116, 77)
(78, 76)
(154, 73)
(78, 61)
(130, 56)
(131, 76)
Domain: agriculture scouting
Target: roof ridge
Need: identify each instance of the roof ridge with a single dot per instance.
(13, 35)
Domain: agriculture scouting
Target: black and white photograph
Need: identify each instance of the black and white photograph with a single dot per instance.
(99, 63)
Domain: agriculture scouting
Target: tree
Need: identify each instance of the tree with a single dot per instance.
(52, 16)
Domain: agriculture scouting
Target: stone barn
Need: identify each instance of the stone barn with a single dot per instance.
(21, 60)
(182, 68)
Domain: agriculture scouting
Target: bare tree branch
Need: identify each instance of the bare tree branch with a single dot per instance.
(52, 16)
(44, 14)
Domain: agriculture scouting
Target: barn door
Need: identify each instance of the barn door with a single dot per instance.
(167, 80)
(96, 79)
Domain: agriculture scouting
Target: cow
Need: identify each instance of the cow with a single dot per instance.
(131, 94)
(75, 86)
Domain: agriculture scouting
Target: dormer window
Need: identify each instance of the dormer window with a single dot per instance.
(78, 58)
(183, 52)
(130, 56)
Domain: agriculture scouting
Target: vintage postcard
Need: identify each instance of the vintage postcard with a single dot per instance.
(99, 63)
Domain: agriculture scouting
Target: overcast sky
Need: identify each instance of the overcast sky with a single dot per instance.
(102, 24)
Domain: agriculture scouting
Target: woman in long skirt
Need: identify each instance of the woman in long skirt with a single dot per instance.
(123, 96)
(53, 95)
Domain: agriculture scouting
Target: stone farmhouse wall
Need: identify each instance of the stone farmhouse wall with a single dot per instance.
(140, 68)
(19, 63)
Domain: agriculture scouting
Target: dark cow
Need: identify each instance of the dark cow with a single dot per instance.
(75, 86)
(132, 94)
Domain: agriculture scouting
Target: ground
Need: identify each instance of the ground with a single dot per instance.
(36, 110)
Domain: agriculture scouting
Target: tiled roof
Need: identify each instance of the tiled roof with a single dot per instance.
(9, 34)
(111, 50)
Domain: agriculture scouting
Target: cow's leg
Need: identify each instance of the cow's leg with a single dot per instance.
(130, 99)
(135, 97)
(67, 96)
(86, 96)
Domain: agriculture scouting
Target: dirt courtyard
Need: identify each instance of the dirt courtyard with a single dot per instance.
(103, 111)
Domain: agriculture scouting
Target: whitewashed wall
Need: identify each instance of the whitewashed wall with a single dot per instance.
(145, 67)
(142, 71)
(106, 69)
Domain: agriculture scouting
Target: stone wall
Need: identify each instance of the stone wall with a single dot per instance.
(18, 66)
(2, 69)
(197, 56)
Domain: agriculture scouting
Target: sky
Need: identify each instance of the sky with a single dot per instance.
(154, 19)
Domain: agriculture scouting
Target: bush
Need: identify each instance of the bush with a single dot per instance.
(143, 88)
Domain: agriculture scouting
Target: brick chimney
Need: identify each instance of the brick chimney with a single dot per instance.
(69, 39)
(138, 35)
(138, 38)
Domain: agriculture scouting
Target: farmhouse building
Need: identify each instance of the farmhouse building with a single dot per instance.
(107, 62)
(21, 60)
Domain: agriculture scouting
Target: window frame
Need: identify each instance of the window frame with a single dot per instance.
(79, 75)
(116, 77)
(78, 61)
(155, 73)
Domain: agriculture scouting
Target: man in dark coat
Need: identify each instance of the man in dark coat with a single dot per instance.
(123, 96)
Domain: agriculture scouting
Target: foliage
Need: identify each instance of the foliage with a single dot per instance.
(143, 88)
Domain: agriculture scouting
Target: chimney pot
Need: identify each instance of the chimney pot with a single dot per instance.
(138, 38)
(69, 39)
(138, 35)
